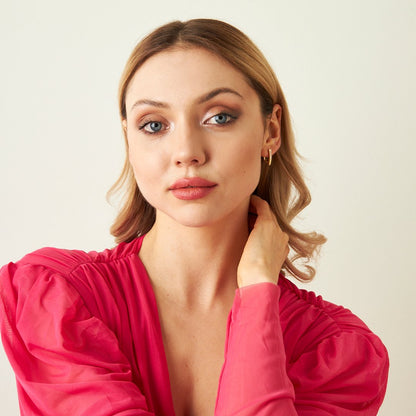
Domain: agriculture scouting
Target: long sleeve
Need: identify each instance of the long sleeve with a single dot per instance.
(82, 335)
(67, 362)
(254, 379)
(337, 369)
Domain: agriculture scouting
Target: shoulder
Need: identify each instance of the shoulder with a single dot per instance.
(49, 268)
(64, 261)
(331, 350)
(312, 318)
(55, 336)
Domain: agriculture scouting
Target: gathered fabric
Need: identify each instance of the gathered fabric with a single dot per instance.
(82, 333)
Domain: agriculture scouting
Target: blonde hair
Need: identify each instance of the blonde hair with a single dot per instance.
(281, 184)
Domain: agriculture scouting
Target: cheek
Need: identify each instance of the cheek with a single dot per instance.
(251, 172)
(143, 165)
(252, 161)
(145, 176)
(245, 164)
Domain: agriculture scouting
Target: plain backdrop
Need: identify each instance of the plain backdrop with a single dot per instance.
(348, 72)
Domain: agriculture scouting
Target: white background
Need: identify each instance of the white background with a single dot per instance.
(348, 69)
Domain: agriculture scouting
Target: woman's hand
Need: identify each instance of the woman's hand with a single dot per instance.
(266, 248)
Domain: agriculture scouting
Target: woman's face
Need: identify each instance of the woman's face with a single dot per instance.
(196, 136)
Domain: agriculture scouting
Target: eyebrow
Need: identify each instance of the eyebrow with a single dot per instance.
(216, 92)
(209, 96)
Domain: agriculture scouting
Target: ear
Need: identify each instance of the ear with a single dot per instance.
(124, 126)
(272, 131)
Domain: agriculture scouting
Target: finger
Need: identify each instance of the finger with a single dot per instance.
(262, 209)
(259, 206)
(264, 214)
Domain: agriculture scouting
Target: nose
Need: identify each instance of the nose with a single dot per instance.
(188, 148)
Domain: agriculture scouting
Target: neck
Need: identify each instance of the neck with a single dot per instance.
(199, 264)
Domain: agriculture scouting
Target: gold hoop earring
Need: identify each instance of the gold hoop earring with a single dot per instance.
(268, 159)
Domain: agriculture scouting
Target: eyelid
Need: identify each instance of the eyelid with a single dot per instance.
(145, 121)
(229, 114)
(148, 118)
(221, 107)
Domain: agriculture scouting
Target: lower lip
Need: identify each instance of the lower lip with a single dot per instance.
(188, 194)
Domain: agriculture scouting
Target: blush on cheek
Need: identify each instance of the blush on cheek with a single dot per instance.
(250, 175)
(148, 183)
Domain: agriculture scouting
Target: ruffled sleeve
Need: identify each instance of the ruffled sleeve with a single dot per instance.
(345, 374)
(66, 361)
(340, 372)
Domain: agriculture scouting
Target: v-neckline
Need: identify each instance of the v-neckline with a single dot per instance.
(156, 322)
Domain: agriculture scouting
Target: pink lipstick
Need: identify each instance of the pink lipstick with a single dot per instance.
(192, 188)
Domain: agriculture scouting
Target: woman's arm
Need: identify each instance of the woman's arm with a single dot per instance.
(67, 362)
(345, 374)
(254, 379)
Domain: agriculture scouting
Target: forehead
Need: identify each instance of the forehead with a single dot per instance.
(184, 73)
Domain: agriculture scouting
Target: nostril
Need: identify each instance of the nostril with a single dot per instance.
(188, 162)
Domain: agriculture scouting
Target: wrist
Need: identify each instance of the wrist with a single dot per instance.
(255, 279)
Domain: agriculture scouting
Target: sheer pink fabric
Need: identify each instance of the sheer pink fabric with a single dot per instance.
(82, 334)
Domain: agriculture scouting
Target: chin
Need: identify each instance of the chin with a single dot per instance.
(194, 221)
(199, 214)
(192, 215)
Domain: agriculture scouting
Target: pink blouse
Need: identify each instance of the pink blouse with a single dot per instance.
(83, 336)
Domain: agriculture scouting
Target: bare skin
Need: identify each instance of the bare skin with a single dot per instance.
(200, 251)
(194, 316)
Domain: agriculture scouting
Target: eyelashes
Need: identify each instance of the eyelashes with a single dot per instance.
(151, 127)
(222, 118)
(154, 127)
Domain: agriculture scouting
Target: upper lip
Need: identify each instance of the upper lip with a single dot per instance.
(194, 182)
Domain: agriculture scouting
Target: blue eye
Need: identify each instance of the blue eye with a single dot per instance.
(155, 126)
(152, 127)
(221, 118)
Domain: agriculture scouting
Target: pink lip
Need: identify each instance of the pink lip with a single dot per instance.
(192, 182)
(192, 188)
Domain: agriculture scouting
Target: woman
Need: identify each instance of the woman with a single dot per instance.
(191, 313)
